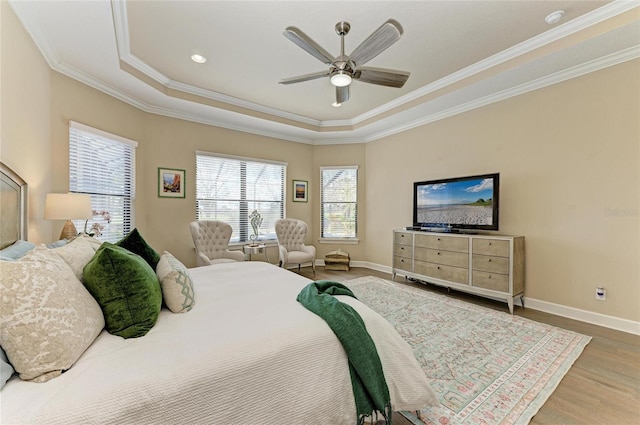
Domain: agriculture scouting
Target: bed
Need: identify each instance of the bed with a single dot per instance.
(246, 353)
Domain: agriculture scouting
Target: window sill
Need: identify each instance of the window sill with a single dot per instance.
(344, 241)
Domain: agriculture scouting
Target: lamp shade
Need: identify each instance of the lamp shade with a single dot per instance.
(67, 206)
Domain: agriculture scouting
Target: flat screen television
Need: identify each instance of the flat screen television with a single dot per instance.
(457, 204)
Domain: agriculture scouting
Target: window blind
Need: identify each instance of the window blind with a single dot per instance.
(339, 202)
(103, 165)
(230, 188)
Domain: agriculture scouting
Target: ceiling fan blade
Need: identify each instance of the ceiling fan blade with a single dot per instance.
(305, 77)
(382, 77)
(377, 42)
(342, 94)
(307, 44)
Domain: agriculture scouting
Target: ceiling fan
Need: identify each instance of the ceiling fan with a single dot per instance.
(344, 69)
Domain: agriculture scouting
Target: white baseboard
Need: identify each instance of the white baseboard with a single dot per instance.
(604, 320)
(598, 319)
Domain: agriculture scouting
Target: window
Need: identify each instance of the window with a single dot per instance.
(230, 188)
(339, 202)
(103, 166)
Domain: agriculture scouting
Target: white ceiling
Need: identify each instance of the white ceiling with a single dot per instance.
(461, 55)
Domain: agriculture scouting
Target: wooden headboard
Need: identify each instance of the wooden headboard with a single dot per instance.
(13, 207)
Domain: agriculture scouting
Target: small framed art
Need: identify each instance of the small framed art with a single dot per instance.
(300, 191)
(170, 183)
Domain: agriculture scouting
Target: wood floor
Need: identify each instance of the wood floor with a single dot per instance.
(602, 387)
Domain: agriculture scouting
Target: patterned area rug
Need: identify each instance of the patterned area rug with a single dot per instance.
(486, 366)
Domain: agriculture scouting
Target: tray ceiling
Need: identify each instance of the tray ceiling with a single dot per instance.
(461, 55)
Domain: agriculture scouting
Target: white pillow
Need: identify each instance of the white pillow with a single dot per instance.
(177, 287)
(78, 253)
(47, 316)
(94, 242)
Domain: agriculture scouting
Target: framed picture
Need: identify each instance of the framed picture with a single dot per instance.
(170, 183)
(300, 191)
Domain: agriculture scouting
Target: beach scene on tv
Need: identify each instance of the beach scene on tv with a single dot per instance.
(461, 202)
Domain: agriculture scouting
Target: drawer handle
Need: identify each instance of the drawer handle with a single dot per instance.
(489, 243)
(402, 236)
(402, 248)
(402, 261)
(438, 238)
(438, 267)
(438, 253)
(489, 260)
(489, 276)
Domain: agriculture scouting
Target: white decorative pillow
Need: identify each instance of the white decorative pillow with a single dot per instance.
(47, 316)
(77, 254)
(177, 287)
(94, 242)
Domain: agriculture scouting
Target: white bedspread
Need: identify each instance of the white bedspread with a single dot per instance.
(248, 353)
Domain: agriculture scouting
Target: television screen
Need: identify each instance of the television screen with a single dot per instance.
(457, 203)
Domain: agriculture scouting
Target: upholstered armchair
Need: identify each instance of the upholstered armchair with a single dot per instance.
(211, 239)
(291, 234)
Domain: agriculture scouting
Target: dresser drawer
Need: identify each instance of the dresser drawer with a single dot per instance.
(402, 251)
(402, 263)
(448, 258)
(453, 274)
(495, 281)
(491, 264)
(446, 243)
(403, 238)
(496, 247)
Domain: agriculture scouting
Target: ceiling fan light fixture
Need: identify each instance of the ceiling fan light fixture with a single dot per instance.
(336, 104)
(340, 79)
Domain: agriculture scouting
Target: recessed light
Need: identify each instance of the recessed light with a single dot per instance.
(198, 58)
(554, 17)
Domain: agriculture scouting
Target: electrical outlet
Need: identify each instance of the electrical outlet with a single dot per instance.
(601, 293)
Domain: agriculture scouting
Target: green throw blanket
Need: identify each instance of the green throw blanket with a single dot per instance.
(367, 378)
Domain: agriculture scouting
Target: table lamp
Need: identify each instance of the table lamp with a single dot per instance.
(68, 206)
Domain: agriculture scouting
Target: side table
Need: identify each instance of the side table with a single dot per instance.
(249, 250)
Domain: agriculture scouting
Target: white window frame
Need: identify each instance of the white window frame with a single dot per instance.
(243, 230)
(83, 169)
(345, 240)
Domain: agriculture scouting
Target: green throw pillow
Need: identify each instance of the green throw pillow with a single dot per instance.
(126, 288)
(135, 243)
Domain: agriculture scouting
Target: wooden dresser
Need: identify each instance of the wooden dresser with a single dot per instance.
(486, 265)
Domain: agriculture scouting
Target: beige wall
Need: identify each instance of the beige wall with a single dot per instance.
(568, 157)
(24, 116)
(73, 101)
(166, 142)
(172, 143)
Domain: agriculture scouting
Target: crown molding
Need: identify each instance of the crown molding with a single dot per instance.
(208, 94)
(558, 77)
(31, 21)
(599, 15)
(392, 125)
(594, 17)
(123, 42)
